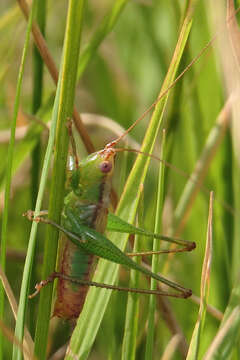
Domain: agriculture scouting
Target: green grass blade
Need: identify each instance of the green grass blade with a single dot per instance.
(132, 312)
(155, 258)
(92, 314)
(9, 166)
(67, 81)
(37, 98)
(36, 152)
(125, 53)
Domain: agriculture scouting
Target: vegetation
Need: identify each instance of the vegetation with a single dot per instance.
(132, 54)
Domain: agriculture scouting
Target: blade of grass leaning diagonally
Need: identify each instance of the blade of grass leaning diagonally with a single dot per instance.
(171, 347)
(62, 109)
(92, 314)
(9, 166)
(193, 352)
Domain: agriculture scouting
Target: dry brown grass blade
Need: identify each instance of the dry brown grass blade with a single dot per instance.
(59, 354)
(171, 347)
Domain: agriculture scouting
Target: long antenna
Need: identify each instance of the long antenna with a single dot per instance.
(195, 59)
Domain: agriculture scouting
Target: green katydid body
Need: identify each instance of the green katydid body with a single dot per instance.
(88, 203)
(84, 219)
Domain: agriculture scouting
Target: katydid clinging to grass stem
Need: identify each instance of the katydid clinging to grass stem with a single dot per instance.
(84, 218)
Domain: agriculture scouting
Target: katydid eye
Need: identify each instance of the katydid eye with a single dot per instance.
(106, 166)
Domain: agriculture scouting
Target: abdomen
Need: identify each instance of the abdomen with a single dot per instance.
(76, 263)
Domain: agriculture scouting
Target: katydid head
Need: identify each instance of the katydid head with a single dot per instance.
(87, 176)
(92, 173)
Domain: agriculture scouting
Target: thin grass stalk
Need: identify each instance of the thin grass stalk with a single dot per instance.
(132, 311)
(87, 326)
(37, 96)
(36, 104)
(65, 110)
(4, 229)
(155, 258)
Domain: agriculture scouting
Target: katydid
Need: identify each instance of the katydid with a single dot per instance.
(84, 219)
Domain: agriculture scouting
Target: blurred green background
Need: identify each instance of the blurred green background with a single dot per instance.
(121, 81)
